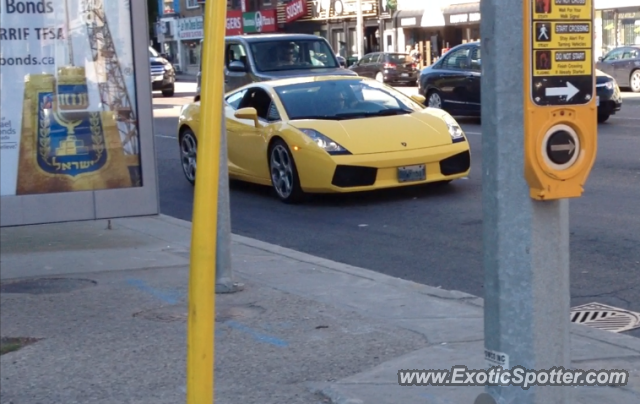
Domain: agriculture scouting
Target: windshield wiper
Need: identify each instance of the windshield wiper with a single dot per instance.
(382, 112)
(330, 117)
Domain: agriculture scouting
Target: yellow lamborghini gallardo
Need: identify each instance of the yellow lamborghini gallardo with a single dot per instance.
(331, 134)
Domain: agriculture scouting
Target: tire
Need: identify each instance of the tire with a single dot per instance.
(634, 81)
(602, 118)
(169, 91)
(284, 174)
(433, 99)
(380, 77)
(188, 154)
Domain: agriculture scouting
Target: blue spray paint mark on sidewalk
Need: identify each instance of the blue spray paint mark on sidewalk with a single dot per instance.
(170, 298)
(268, 339)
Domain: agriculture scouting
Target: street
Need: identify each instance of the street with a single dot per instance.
(434, 236)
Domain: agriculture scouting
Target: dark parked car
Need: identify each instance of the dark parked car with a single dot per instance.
(623, 64)
(453, 84)
(387, 67)
(252, 58)
(163, 75)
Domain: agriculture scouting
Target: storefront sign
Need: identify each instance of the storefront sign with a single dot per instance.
(341, 9)
(295, 9)
(259, 21)
(58, 131)
(190, 28)
(234, 22)
(465, 18)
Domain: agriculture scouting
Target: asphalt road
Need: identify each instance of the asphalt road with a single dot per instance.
(434, 236)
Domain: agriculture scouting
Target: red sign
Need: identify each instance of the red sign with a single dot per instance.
(295, 10)
(234, 22)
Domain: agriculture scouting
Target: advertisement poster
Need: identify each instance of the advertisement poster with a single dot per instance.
(68, 119)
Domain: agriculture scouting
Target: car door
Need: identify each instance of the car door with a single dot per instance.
(609, 61)
(473, 81)
(235, 52)
(362, 67)
(248, 143)
(232, 128)
(454, 80)
(622, 70)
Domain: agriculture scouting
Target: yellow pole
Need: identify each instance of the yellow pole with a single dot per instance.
(201, 319)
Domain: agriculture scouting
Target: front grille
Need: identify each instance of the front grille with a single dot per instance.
(157, 70)
(456, 164)
(354, 176)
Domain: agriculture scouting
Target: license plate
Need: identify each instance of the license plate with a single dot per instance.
(412, 173)
(405, 74)
(597, 101)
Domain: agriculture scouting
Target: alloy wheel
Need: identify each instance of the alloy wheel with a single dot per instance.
(635, 81)
(281, 171)
(435, 101)
(188, 151)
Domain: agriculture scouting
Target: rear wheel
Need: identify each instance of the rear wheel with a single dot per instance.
(188, 151)
(634, 81)
(284, 174)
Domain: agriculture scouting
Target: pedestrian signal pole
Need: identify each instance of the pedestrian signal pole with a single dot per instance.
(539, 123)
(202, 276)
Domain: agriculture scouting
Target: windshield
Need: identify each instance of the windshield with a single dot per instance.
(153, 53)
(297, 54)
(344, 99)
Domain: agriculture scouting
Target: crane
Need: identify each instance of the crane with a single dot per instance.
(111, 80)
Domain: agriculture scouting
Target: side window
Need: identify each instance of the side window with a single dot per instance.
(235, 52)
(458, 59)
(365, 60)
(234, 99)
(613, 55)
(260, 100)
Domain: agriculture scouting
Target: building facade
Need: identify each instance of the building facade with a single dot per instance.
(616, 23)
(336, 21)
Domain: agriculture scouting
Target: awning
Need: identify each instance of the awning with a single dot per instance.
(462, 14)
(407, 18)
(429, 16)
(462, 8)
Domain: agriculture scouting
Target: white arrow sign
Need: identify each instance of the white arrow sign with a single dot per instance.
(569, 91)
(570, 147)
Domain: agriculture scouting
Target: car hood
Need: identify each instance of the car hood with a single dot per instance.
(329, 71)
(418, 130)
(602, 77)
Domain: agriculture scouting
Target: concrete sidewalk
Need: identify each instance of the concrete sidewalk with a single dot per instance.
(108, 302)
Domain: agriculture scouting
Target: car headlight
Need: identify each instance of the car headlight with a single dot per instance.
(609, 85)
(456, 132)
(168, 67)
(324, 142)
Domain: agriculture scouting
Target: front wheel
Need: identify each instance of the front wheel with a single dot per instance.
(603, 118)
(284, 174)
(634, 81)
(169, 91)
(188, 151)
(434, 100)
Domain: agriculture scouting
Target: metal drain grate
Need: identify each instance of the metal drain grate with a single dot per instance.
(605, 317)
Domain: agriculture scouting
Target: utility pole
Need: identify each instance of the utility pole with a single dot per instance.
(224, 269)
(359, 29)
(530, 168)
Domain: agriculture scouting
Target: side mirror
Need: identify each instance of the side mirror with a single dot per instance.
(247, 113)
(600, 59)
(420, 99)
(237, 66)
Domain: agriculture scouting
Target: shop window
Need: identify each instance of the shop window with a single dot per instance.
(608, 31)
